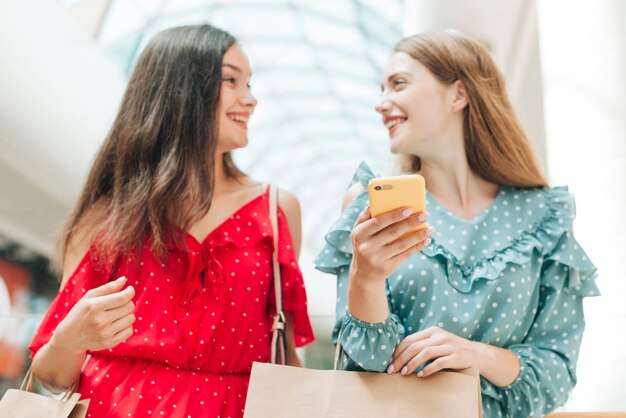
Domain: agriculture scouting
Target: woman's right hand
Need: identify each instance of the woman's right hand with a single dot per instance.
(100, 320)
(378, 248)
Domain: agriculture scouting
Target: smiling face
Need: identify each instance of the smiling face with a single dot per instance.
(236, 101)
(416, 107)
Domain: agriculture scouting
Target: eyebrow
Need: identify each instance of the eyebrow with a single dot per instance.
(234, 67)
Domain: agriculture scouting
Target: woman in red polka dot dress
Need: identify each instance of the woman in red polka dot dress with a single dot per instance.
(166, 297)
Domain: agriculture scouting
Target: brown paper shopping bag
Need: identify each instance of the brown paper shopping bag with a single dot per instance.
(278, 391)
(23, 403)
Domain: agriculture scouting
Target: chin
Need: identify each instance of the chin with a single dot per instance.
(233, 143)
(395, 147)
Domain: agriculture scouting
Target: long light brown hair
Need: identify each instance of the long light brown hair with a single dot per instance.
(155, 170)
(496, 146)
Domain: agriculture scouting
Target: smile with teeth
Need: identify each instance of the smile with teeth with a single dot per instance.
(239, 119)
(391, 123)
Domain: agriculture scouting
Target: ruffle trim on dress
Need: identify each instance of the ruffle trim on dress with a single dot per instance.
(337, 253)
(546, 236)
(549, 236)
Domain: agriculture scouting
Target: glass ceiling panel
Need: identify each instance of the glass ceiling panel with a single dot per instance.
(317, 67)
(335, 10)
(123, 19)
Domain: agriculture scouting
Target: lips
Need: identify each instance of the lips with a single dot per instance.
(239, 118)
(392, 122)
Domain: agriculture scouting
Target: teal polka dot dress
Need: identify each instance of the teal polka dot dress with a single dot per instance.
(513, 277)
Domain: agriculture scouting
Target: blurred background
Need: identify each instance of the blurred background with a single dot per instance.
(317, 68)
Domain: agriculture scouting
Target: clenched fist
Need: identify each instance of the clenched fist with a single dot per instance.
(102, 319)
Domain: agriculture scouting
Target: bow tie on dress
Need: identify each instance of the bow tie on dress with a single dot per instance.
(201, 266)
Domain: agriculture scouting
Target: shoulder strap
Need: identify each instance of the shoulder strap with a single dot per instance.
(279, 344)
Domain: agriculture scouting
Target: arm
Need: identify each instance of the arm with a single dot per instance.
(291, 208)
(378, 251)
(366, 300)
(101, 319)
(367, 321)
(549, 352)
(527, 379)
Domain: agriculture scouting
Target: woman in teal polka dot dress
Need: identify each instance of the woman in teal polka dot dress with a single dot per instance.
(497, 280)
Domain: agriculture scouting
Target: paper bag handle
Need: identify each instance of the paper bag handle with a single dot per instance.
(339, 353)
(27, 385)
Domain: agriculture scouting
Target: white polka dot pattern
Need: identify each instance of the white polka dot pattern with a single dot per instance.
(513, 277)
(202, 319)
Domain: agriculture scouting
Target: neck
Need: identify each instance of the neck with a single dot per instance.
(223, 183)
(450, 180)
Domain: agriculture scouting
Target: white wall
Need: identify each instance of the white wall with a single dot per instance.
(583, 55)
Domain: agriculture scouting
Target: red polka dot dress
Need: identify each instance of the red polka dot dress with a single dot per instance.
(202, 319)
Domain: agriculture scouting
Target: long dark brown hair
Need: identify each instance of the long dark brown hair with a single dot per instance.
(496, 146)
(155, 170)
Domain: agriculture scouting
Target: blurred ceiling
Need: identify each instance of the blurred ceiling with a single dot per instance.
(317, 68)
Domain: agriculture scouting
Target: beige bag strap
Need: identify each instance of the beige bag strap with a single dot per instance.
(279, 344)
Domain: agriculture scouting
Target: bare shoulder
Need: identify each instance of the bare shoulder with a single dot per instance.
(80, 241)
(290, 206)
(353, 191)
(289, 203)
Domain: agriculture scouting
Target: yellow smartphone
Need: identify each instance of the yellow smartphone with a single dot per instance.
(389, 193)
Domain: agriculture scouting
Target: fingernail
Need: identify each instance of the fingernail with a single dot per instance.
(420, 374)
(390, 369)
(422, 217)
(407, 212)
(428, 241)
(121, 279)
(404, 370)
(430, 230)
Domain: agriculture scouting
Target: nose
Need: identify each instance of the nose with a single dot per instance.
(383, 106)
(248, 100)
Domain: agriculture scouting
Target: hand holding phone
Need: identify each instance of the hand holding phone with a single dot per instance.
(389, 193)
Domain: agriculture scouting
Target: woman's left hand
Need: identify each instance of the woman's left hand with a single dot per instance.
(443, 349)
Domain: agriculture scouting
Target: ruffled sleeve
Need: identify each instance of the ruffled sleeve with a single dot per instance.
(549, 353)
(293, 291)
(337, 253)
(367, 346)
(86, 276)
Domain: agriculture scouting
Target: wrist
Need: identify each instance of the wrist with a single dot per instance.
(481, 355)
(367, 300)
(66, 346)
(498, 365)
(365, 284)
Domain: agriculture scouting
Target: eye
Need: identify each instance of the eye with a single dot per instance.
(398, 81)
(229, 80)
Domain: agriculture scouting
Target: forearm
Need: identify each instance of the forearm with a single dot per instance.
(498, 365)
(291, 354)
(367, 301)
(57, 365)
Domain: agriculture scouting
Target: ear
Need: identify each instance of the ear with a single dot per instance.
(460, 98)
